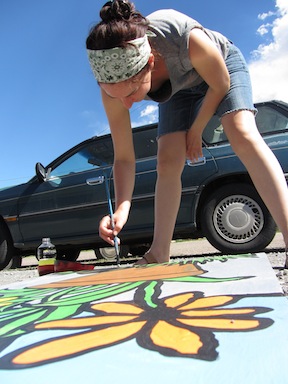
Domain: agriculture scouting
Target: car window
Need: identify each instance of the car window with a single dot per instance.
(270, 120)
(96, 154)
(214, 132)
(99, 153)
(145, 142)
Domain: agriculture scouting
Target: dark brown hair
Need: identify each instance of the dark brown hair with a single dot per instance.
(121, 22)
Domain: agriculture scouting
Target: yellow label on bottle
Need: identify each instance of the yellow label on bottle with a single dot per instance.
(50, 261)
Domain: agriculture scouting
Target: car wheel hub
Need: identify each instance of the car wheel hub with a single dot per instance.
(108, 253)
(238, 219)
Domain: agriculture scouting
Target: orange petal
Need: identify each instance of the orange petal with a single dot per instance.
(85, 322)
(175, 301)
(75, 344)
(179, 339)
(205, 302)
(112, 307)
(227, 324)
(217, 312)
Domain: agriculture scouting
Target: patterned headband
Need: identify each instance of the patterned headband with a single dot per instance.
(118, 64)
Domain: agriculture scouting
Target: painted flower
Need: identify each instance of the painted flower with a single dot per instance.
(181, 325)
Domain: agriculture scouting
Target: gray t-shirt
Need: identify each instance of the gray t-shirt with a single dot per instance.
(171, 29)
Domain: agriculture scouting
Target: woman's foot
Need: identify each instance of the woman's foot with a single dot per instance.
(148, 258)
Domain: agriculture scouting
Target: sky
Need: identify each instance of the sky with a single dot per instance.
(49, 100)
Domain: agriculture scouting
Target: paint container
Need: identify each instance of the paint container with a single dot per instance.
(46, 255)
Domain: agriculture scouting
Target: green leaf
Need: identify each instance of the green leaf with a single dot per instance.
(11, 328)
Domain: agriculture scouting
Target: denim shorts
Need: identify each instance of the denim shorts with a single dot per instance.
(179, 112)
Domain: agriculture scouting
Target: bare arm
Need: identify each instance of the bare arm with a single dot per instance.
(124, 164)
(208, 62)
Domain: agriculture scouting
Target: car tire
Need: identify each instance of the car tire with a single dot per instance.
(14, 263)
(139, 250)
(6, 248)
(109, 253)
(235, 220)
(68, 254)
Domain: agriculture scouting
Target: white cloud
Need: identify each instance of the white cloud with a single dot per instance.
(264, 16)
(264, 29)
(151, 110)
(268, 67)
(147, 115)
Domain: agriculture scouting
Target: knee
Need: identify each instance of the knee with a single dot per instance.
(247, 143)
(242, 132)
(170, 167)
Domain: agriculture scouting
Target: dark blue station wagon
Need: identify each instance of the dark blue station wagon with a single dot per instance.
(219, 201)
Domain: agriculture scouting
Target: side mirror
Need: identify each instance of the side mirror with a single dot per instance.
(40, 172)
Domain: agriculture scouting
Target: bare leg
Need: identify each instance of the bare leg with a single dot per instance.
(171, 160)
(263, 167)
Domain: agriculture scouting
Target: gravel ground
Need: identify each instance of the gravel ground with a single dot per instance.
(276, 258)
(15, 275)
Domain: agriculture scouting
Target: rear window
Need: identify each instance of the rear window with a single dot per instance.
(268, 120)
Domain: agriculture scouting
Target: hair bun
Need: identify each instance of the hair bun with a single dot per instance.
(117, 10)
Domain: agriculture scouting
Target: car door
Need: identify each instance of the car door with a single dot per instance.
(65, 207)
(194, 177)
(142, 212)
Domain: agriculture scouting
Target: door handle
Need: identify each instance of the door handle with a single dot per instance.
(96, 180)
(199, 161)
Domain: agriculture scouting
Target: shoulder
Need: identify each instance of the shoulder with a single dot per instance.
(164, 12)
(173, 29)
(170, 21)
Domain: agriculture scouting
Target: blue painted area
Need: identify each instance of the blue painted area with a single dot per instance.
(252, 356)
